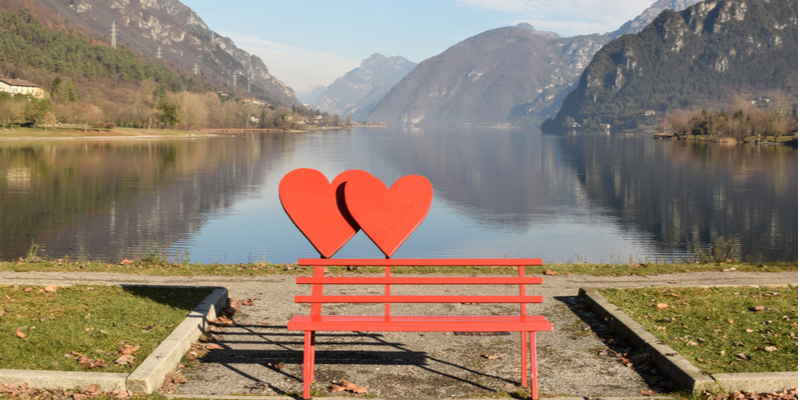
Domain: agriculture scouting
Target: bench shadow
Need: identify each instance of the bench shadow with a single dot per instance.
(287, 352)
(616, 343)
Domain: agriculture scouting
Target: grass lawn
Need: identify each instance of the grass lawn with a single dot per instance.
(50, 329)
(56, 133)
(720, 330)
(162, 267)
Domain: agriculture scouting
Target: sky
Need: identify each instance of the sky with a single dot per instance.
(303, 42)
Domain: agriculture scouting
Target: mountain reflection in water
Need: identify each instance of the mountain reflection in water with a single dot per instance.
(497, 193)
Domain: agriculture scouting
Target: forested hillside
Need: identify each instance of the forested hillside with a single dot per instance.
(701, 57)
(95, 85)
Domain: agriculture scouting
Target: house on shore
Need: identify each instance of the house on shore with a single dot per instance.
(21, 86)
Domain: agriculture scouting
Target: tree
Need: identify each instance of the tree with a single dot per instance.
(169, 114)
(36, 109)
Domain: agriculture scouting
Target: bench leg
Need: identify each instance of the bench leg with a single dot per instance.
(524, 363)
(534, 381)
(308, 363)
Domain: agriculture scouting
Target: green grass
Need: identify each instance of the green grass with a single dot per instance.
(714, 327)
(88, 320)
(162, 267)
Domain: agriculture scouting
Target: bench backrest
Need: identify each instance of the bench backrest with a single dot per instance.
(318, 280)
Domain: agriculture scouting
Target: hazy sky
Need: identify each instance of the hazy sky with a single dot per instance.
(303, 42)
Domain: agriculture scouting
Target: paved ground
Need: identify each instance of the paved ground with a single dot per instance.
(414, 364)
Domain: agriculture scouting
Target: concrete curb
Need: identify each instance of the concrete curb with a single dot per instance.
(682, 372)
(150, 374)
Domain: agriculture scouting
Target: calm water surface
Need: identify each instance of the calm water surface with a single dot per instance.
(496, 193)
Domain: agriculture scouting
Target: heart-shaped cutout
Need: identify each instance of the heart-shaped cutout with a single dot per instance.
(388, 216)
(317, 207)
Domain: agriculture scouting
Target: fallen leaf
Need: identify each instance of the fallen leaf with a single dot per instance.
(51, 288)
(350, 386)
(742, 356)
(672, 282)
(492, 356)
(128, 349)
(2, 312)
(148, 328)
(730, 321)
(20, 334)
(126, 262)
(93, 388)
(549, 272)
(214, 346)
(125, 360)
(248, 302)
(722, 352)
(770, 349)
(258, 386)
(649, 392)
(748, 330)
(691, 343)
(79, 396)
(278, 365)
(731, 269)
(662, 306)
(28, 289)
(757, 308)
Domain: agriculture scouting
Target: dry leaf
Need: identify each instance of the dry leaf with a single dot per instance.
(742, 356)
(258, 386)
(2, 312)
(28, 289)
(758, 308)
(214, 346)
(51, 288)
(126, 262)
(691, 343)
(350, 386)
(770, 349)
(748, 330)
(730, 321)
(248, 302)
(549, 272)
(492, 356)
(128, 349)
(125, 360)
(662, 306)
(19, 334)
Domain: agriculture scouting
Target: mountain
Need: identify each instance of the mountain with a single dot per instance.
(182, 37)
(523, 84)
(647, 16)
(309, 94)
(359, 90)
(702, 56)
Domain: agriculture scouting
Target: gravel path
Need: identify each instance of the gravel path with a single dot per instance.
(396, 364)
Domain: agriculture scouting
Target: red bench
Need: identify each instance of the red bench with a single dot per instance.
(316, 321)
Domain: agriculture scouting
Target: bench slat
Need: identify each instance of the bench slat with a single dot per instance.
(395, 262)
(492, 323)
(419, 281)
(418, 299)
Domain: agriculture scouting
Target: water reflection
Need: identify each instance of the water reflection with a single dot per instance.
(515, 193)
(115, 199)
(689, 194)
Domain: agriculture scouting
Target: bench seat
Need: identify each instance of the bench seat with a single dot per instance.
(397, 323)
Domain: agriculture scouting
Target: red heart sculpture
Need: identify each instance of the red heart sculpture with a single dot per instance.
(317, 207)
(388, 216)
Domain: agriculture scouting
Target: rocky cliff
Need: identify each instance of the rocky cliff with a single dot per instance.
(701, 56)
(169, 30)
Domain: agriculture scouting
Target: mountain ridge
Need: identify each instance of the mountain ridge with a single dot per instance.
(183, 37)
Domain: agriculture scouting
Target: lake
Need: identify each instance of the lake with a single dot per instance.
(497, 193)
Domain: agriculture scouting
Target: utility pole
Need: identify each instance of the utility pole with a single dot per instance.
(195, 69)
(158, 53)
(113, 34)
